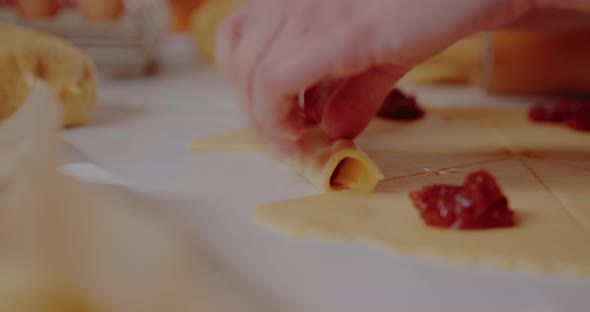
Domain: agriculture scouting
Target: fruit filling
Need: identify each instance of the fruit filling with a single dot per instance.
(399, 106)
(574, 114)
(477, 204)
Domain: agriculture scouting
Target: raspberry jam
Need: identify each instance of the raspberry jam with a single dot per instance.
(399, 106)
(477, 204)
(575, 115)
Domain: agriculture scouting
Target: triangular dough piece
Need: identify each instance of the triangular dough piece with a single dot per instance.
(327, 164)
(245, 140)
(570, 184)
(546, 237)
(539, 140)
(442, 140)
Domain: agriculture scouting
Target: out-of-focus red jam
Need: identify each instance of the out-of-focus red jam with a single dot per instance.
(573, 114)
(399, 106)
(477, 204)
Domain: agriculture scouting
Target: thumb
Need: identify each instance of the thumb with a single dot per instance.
(357, 101)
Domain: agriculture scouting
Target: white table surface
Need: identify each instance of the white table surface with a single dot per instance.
(142, 131)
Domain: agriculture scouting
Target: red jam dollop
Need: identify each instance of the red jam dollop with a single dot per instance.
(477, 204)
(573, 114)
(399, 106)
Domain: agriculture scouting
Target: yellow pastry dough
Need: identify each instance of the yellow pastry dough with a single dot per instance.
(458, 64)
(334, 165)
(241, 140)
(543, 169)
(26, 55)
(327, 164)
(547, 236)
(538, 140)
(569, 184)
(386, 149)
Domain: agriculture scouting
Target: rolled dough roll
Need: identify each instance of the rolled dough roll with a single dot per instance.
(27, 54)
(329, 165)
(333, 165)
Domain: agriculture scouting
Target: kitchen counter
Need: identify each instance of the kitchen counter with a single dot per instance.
(142, 131)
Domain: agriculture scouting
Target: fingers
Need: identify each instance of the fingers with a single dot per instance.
(227, 37)
(317, 97)
(285, 73)
(273, 49)
(260, 30)
(356, 102)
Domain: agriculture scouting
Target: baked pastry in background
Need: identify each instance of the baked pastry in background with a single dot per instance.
(26, 54)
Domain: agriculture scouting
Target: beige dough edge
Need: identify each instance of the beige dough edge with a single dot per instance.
(548, 241)
(329, 165)
(388, 221)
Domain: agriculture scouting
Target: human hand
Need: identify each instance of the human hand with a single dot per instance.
(273, 49)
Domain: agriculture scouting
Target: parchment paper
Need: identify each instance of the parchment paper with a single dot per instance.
(110, 246)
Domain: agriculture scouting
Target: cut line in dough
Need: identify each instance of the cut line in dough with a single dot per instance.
(241, 140)
(543, 171)
(545, 239)
(388, 149)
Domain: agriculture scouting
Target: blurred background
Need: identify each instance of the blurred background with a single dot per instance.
(123, 45)
(124, 37)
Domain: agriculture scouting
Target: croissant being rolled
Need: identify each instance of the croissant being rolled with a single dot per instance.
(332, 165)
(329, 165)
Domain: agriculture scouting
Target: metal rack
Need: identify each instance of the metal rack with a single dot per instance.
(121, 48)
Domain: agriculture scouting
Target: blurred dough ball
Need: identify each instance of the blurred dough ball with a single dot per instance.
(101, 10)
(28, 55)
(38, 9)
(204, 22)
(28, 289)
